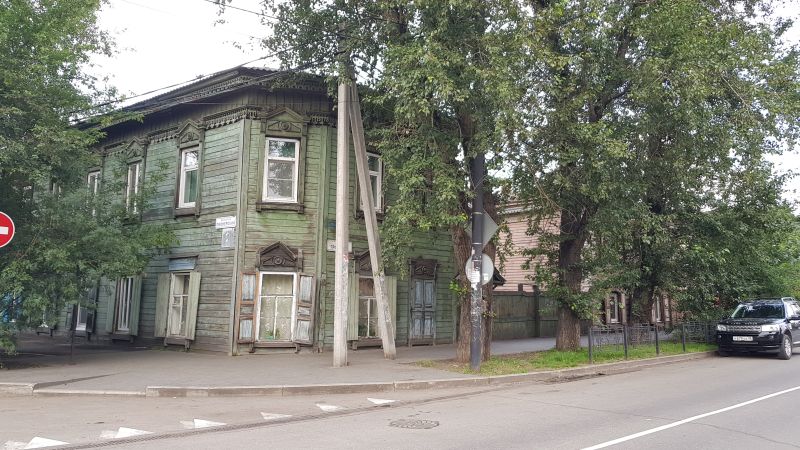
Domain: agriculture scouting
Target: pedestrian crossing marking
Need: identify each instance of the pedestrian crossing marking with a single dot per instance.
(123, 432)
(328, 408)
(380, 401)
(270, 416)
(40, 442)
(200, 423)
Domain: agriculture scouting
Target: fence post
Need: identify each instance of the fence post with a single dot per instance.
(625, 339)
(683, 336)
(537, 314)
(658, 349)
(591, 343)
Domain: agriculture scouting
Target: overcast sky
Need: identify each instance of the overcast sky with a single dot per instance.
(164, 42)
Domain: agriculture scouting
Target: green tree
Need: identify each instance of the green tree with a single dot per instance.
(66, 238)
(637, 115)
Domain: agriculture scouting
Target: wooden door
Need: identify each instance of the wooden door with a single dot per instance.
(423, 311)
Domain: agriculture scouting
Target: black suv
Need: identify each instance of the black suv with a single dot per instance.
(761, 325)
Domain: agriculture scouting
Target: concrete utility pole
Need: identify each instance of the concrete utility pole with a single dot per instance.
(386, 327)
(476, 303)
(342, 257)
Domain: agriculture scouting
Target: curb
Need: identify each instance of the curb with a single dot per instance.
(43, 389)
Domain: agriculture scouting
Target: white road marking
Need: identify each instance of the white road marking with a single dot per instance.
(40, 442)
(328, 408)
(14, 445)
(380, 401)
(5, 231)
(122, 432)
(200, 423)
(270, 416)
(687, 420)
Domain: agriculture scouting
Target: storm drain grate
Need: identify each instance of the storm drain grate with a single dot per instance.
(416, 424)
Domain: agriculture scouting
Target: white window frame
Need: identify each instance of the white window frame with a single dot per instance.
(657, 315)
(295, 173)
(378, 174)
(122, 305)
(93, 184)
(183, 171)
(133, 186)
(295, 292)
(370, 313)
(185, 304)
(614, 308)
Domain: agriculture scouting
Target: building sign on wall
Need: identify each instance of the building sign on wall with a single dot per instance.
(226, 222)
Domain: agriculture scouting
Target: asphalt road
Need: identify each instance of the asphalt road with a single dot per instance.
(731, 403)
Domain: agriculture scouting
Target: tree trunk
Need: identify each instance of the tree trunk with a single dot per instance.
(573, 237)
(461, 251)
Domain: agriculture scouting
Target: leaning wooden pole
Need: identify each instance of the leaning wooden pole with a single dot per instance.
(342, 256)
(386, 327)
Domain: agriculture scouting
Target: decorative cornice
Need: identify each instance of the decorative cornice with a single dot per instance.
(230, 116)
(162, 135)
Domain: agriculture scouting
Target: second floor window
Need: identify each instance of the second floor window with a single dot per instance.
(375, 169)
(93, 183)
(132, 186)
(280, 170)
(187, 187)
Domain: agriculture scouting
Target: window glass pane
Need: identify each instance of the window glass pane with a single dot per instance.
(280, 189)
(190, 187)
(373, 181)
(277, 299)
(373, 162)
(282, 149)
(190, 160)
(366, 287)
(281, 170)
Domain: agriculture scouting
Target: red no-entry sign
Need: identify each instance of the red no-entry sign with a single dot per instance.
(6, 229)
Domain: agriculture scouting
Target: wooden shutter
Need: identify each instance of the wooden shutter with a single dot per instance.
(111, 307)
(162, 304)
(136, 302)
(352, 309)
(303, 330)
(247, 309)
(391, 293)
(194, 297)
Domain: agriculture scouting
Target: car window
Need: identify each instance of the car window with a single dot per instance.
(794, 309)
(759, 311)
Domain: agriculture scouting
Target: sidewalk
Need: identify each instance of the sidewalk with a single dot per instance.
(43, 367)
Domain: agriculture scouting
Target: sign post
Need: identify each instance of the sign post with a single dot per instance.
(6, 229)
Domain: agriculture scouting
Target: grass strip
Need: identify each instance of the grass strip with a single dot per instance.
(555, 359)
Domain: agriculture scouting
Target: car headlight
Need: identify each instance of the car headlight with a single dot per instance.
(722, 328)
(770, 328)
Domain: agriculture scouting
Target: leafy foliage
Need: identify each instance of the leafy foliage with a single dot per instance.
(66, 238)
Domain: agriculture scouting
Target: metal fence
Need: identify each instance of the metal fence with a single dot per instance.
(627, 337)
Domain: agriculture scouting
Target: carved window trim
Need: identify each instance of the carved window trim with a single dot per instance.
(423, 269)
(189, 137)
(283, 124)
(278, 257)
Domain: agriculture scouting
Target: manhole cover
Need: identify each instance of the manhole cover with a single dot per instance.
(417, 424)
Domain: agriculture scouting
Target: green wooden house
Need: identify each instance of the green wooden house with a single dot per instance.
(243, 165)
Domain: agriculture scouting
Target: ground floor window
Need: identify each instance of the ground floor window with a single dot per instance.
(124, 297)
(614, 307)
(367, 309)
(657, 308)
(276, 303)
(178, 305)
(177, 301)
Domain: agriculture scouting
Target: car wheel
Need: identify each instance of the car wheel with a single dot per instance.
(723, 353)
(785, 352)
